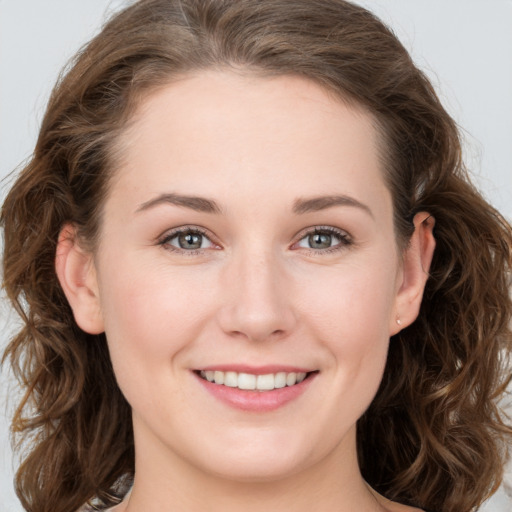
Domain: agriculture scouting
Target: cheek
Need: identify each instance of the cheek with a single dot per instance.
(140, 296)
(354, 302)
(350, 316)
(150, 317)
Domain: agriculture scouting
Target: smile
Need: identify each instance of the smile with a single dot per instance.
(257, 390)
(251, 382)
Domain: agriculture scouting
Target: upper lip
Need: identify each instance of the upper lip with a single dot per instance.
(255, 370)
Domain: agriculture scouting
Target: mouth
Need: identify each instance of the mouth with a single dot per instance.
(257, 389)
(254, 382)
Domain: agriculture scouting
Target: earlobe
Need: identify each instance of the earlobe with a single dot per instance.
(415, 272)
(77, 276)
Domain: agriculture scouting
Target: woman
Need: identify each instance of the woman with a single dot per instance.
(253, 273)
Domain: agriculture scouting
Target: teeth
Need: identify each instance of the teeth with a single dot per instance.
(280, 380)
(246, 381)
(249, 381)
(230, 379)
(291, 379)
(265, 382)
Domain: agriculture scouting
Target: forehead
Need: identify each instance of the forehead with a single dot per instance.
(214, 129)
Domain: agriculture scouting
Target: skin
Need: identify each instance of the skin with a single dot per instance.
(254, 293)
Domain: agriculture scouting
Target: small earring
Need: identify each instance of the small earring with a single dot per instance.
(398, 321)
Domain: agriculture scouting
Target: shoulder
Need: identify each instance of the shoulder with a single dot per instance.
(393, 506)
(397, 507)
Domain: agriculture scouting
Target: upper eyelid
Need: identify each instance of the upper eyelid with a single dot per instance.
(163, 240)
(346, 240)
(315, 229)
(171, 233)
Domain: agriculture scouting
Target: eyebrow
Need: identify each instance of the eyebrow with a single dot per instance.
(199, 204)
(315, 204)
(300, 206)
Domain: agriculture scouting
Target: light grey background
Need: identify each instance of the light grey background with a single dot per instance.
(465, 46)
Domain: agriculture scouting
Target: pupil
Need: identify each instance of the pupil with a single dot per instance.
(190, 241)
(320, 241)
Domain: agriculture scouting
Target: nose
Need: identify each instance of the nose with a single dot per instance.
(258, 303)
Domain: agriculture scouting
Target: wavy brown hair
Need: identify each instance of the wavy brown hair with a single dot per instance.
(434, 436)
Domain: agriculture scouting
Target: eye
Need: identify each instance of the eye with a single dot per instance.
(324, 238)
(187, 239)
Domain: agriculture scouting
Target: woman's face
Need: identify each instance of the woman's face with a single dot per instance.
(247, 238)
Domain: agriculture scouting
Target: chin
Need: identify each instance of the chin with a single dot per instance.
(263, 470)
(260, 458)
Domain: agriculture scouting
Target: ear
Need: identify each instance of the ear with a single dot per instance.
(414, 273)
(77, 276)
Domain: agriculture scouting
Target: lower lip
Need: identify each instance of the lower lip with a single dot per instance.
(256, 401)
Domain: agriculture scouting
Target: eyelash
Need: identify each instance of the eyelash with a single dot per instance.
(165, 240)
(345, 239)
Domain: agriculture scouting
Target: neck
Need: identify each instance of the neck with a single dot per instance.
(164, 481)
